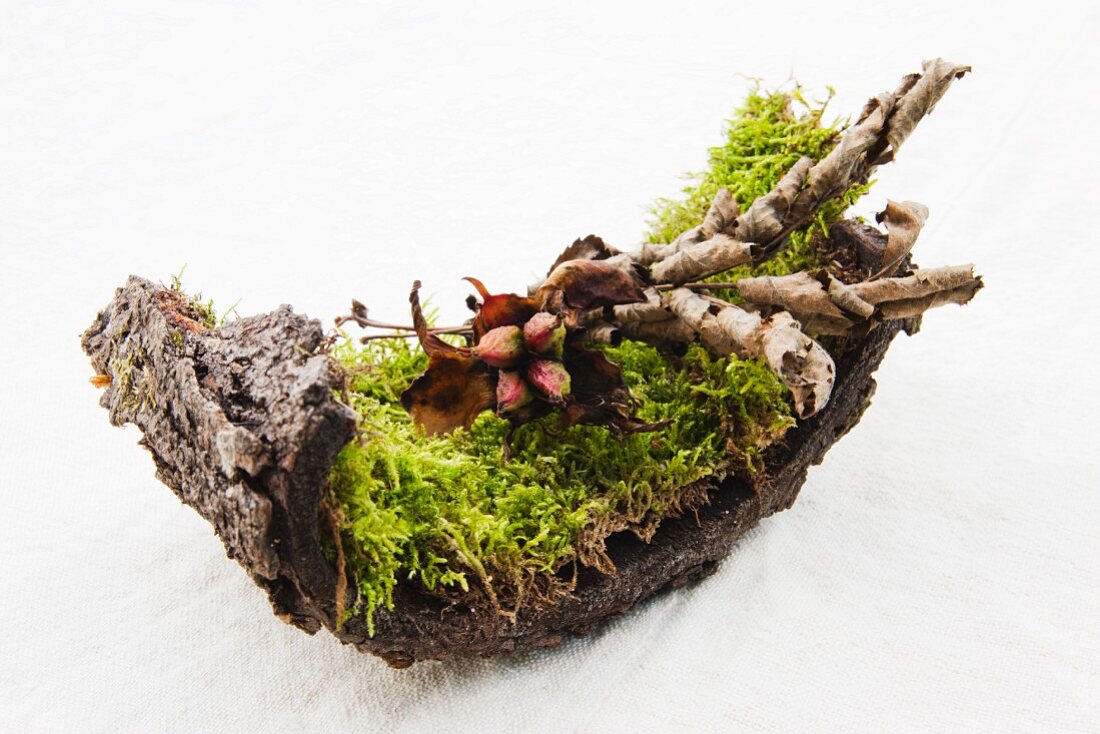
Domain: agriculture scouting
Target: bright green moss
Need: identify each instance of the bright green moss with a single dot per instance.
(449, 514)
(449, 511)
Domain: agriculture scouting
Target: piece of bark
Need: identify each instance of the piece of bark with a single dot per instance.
(243, 426)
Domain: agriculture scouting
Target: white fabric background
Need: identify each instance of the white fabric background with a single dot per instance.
(940, 569)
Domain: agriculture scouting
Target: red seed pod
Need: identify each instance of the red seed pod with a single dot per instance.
(549, 378)
(513, 392)
(544, 334)
(501, 347)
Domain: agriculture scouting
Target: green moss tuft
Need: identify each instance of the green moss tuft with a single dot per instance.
(450, 515)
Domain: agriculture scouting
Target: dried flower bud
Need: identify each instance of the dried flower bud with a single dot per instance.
(550, 378)
(513, 392)
(544, 333)
(501, 347)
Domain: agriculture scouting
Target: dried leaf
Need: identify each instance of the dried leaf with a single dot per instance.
(800, 362)
(456, 387)
(702, 259)
(589, 248)
(651, 309)
(803, 295)
(580, 285)
(500, 309)
(897, 298)
(721, 216)
(599, 394)
(450, 394)
(904, 221)
(826, 306)
(766, 217)
(921, 98)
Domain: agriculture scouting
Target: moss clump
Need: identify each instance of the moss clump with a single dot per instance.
(449, 514)
(765, 136)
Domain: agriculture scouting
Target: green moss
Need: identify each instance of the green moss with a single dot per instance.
(449, 514)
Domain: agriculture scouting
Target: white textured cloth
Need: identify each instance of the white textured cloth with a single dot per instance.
(939, 571)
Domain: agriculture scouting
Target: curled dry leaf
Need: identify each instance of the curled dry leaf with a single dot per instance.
(800, 362)
(456, 387)
(921, 98)
(826, 306)
(587, 248)
(500, 309)
(697, 261)
(766, 217)
(579, 285)
(904, 221)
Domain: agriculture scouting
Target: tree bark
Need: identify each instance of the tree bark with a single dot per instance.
(243, 425)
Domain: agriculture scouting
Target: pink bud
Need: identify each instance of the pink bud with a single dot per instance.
(513, 392)
(501, 347)
(544, 333)
(549, 378)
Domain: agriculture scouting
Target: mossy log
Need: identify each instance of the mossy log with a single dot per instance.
(243, 425)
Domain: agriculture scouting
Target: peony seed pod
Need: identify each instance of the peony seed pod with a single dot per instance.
(501, 347)
(544, 333)
(513, 392)
(549, 378)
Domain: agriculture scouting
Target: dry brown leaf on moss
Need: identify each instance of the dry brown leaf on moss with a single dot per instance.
(579, 285)
(803, 295)
(456, 387)
(599, 394)
(799, 361)
(651, 309)
(697, 261)
(766, 217)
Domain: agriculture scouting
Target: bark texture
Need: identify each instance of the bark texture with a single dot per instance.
(243, 426)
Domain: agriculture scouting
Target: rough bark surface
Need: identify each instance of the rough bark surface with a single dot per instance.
(243, 426)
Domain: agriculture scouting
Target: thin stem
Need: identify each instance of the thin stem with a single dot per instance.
(695, 286)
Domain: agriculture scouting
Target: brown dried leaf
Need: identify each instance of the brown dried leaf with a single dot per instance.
(456, 387)
(904, 221)
(803, 295)
(721, 252)
(599, 394)
(800, 362)
(585, 284)
(921, 98)
(824, 305)
(452, 392)
(589, 248)
(500, 309)
(766, 217)
(897, 298)
(721, 215)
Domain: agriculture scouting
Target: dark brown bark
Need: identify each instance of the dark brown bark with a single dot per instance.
(243, 426)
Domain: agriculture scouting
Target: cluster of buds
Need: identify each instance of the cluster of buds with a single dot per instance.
(527, 357)
(529, 360)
